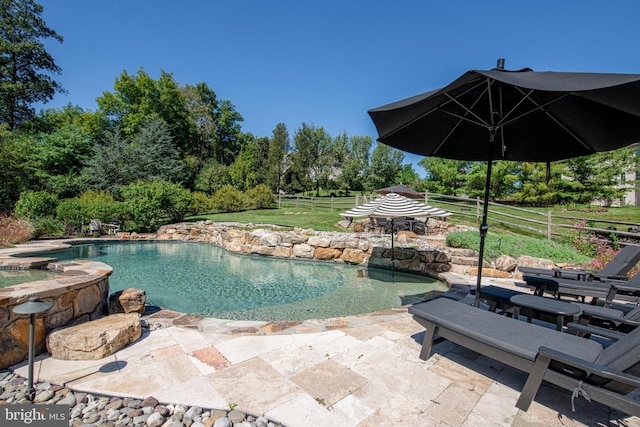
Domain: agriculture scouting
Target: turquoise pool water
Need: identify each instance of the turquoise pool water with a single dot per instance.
(208, 280)
(15, 277)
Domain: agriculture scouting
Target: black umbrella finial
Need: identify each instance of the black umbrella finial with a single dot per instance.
(500, 65)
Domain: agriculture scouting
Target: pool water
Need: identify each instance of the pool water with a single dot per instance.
(15, 277)
(208, 280)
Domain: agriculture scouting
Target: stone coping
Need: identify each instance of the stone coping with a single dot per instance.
(76, 274)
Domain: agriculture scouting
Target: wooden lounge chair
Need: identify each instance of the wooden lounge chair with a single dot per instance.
(617, 268)
(607, 375)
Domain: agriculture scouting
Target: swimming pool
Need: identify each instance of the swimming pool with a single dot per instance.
(15, 277)
(207, 280)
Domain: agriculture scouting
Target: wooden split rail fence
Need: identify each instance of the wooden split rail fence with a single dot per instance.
(528, 221)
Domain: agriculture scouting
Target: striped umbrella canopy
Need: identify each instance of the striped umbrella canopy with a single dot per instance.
(393, 205)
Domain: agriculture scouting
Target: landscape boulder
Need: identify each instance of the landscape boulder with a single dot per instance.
(506, 263)
(95, 339)
(130, 300)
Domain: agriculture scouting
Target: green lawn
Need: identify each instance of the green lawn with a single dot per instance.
(319, 219)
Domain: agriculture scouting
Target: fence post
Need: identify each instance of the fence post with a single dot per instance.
(297, 201)
(313, 203)
(357, 200)
(331, 202)
(426, 197)
(549, 225)
(477, 208)
(279, 201)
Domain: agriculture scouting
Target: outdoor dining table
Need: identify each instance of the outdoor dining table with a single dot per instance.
(553, 306)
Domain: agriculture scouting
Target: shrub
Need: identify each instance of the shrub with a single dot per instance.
(36, 204)
(147, 205)
(201, 203)
(514, 245)
(47, 227)
(14, 230)
(260, 197)
(228, 199)
(101, 205)
(73, 214)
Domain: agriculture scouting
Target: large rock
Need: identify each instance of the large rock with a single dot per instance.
(506, 263)
(529, 261)
(96, 339)
(130, 300)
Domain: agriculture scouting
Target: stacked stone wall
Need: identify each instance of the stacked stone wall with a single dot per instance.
(78, 294)
(367, 249)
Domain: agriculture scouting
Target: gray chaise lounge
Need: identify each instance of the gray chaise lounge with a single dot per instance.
(534, 349)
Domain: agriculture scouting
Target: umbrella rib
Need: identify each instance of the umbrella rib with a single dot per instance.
(426, 113)
(541, 107)
(481, 123)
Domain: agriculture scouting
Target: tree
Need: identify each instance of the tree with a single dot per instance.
(314, 157)
(212, 177)
(534, 187)
(93, 124)
(25, 64)
(138, 99)
(216, 124)
(599, 176)
(279, 146)
(18, 167)
(354, 165)
(386, 164)
(409, 176)
(444, 176)
(149, 156)
(243, 171)
(61, 156)
(503, 180)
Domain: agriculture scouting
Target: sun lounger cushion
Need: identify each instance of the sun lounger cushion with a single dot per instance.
(515, 337)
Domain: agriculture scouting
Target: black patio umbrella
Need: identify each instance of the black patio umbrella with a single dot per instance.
(515, 115)
(402, 190)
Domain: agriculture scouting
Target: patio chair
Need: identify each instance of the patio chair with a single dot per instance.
(610, 323)
(609, 289)
(617, 268)
(607, 375)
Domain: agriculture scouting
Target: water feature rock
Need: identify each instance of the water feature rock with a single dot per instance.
(130, 300)
(96, 339)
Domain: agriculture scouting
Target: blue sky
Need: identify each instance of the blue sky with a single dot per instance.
(327, 62)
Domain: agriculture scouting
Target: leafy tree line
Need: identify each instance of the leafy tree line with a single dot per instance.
(580, 180)
(159, 140)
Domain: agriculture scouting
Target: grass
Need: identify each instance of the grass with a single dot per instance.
(497, 244)
(319, 219)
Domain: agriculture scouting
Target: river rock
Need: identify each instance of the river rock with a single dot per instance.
(96, 339)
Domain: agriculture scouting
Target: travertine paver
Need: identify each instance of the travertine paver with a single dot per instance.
(328, 382)
(368, 375)
(260, 391)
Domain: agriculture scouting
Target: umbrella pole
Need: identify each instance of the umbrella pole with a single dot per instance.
(483, 233)
(393, 273)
